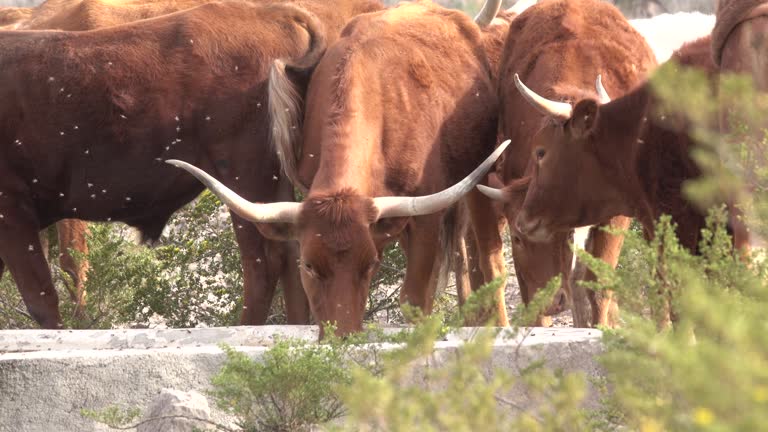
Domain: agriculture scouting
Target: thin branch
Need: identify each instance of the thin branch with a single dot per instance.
(218, 426)
(517, 406)
(20, 311)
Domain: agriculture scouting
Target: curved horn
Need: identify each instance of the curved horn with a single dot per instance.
(415, 206)
(492, 193)
(601, 92)
(559, 110)
(287, 212)
(488, 12)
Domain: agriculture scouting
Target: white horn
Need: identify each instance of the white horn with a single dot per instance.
(488, 12)
(601, 92)
(492, 193)
(558, 110)
(416, 206)
(287, 212)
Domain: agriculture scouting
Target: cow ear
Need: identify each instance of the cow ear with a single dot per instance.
(584, 118)
(277, 231)
(388, 229)
(515, 192)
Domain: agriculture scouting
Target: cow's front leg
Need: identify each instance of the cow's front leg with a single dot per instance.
(259, 274)
(487, 224)
(22, 253)
(424, 256)
(296, 302)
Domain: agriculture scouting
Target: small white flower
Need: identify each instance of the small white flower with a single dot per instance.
(31, 248)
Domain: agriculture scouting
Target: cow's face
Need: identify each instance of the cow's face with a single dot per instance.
(339, 253)
(537, 263)
(570, 185)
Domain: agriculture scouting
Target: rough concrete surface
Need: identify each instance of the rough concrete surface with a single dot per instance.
(48, 376)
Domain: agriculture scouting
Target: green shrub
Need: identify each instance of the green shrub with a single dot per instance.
(290, 388)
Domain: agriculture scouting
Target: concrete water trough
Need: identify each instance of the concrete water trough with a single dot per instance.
(48, 376)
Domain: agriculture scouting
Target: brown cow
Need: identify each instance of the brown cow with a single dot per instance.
(93, 14)
(559, 47)
(740, 46)
(12, 17)
(401, 106)
(84, 112)
(621, 158)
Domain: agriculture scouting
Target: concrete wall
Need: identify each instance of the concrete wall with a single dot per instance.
(47, 377)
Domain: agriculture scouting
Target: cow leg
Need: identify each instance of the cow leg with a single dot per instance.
(259, 274)
(72, 233)
(296, 302)
(22, 252)
(606, 247)
(461, 269)
(490, 253)
(476, 278)
(423, 263)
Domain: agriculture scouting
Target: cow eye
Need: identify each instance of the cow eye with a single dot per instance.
(307, 267)
(540, 152)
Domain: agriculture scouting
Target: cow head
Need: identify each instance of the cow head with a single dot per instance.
(340, 235)
(567, 186)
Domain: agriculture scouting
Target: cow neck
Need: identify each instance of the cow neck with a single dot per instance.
(351, 159)
(624, 123)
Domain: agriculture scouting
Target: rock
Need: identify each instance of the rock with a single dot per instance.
(175, 402)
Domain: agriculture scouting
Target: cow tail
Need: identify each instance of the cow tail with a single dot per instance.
(452, 230)
(288, 80)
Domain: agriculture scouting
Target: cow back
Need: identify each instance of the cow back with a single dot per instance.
(558, 48)
(402, 102)
(89, 117)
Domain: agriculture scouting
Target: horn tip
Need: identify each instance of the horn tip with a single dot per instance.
(174, 162)
(492, 193)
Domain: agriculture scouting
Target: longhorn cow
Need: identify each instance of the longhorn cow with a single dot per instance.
(558, 48)
(400, 108)
(88, 117)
